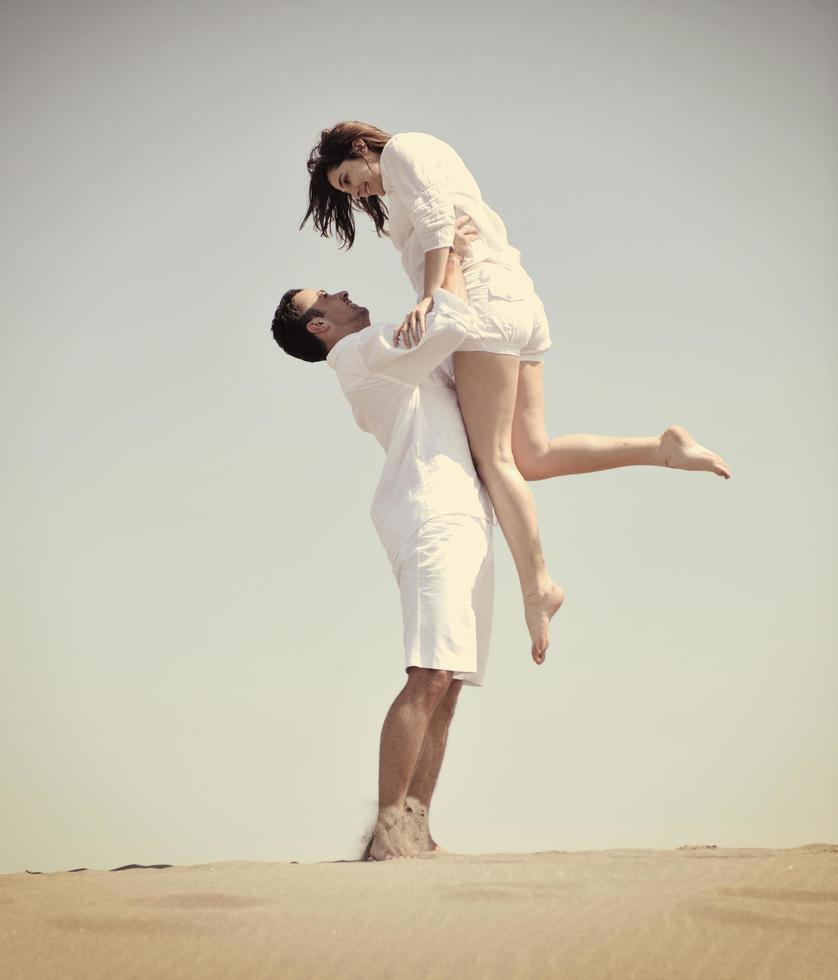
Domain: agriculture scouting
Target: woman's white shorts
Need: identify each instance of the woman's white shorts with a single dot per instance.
(512, 317)
(445, 572)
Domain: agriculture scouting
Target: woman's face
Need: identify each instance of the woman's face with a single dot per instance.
(358, 176)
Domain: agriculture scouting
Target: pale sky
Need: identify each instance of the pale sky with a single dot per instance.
(200, 631)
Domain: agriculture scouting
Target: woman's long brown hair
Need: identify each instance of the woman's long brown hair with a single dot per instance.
(334, 209)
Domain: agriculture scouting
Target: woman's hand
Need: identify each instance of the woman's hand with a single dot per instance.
(412, 328)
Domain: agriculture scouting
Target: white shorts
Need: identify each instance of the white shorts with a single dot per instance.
(446, 576)
(512, 317)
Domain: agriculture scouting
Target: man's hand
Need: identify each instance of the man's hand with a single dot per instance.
(453, 281)
(464, 234)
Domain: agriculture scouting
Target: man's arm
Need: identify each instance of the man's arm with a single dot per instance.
(448, 326)
(452, 320)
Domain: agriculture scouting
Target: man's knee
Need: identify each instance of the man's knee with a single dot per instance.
(429, 682)
(449, 701)
(453, 691)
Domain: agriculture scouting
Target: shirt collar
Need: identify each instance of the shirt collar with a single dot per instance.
(332, 356)
(382, 174)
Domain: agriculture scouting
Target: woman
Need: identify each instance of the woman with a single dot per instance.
(499, 377)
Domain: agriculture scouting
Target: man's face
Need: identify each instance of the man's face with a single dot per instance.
(338, 311)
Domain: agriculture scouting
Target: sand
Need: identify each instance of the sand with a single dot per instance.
(704, 912)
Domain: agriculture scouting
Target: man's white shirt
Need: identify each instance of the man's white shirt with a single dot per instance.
(427, 186)
(406, 398)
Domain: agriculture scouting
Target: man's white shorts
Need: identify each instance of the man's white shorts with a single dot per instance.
(446, 576)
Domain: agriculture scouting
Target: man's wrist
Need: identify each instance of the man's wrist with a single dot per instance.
(454, 257)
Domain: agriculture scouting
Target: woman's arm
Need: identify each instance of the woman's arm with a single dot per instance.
(442, 268)
(416, 172)
(411, 329)
(434, 270)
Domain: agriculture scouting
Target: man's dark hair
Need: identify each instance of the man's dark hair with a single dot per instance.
(289, 330)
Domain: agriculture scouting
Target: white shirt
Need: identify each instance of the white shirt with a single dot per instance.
(406, 398)
(427, 186)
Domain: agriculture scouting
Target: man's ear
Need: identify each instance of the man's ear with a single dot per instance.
(360, 146)
(317, 325)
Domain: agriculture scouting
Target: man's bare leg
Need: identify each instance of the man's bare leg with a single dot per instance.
(402, 737)
(425, 776)
(539, 457)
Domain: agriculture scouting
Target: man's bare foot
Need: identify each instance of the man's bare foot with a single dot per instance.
(416, 823)
(539, 608)
(391, 839)
(680, 451)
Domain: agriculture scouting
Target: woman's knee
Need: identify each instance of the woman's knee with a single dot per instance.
(529, 453)
(492, 459)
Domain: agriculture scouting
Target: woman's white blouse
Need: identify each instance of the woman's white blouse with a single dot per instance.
(426, 187)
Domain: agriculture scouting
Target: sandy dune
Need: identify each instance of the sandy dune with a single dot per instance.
(708, 913)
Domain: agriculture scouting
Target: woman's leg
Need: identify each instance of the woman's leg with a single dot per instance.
(486, 387)
(539, 457)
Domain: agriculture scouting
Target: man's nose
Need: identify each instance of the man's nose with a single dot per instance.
(343, 294)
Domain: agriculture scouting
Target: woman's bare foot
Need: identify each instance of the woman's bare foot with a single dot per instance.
(539, 608)
(391, 839)
(680, 451)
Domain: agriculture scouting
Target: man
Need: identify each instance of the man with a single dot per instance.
(432, 514)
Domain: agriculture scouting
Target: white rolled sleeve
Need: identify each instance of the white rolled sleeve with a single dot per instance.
(433, 218)
(422, 186)
(447, 326)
